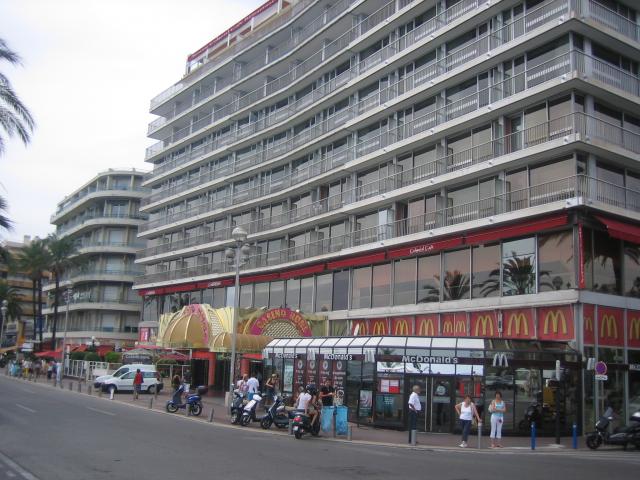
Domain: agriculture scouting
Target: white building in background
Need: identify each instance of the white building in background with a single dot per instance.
(102, 217)
(436, 168)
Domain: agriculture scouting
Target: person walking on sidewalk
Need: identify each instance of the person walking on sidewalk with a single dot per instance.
(466, 411)
(497, 409)
(414, 407)
(137, 384)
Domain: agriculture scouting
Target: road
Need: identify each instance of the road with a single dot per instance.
(51, 434)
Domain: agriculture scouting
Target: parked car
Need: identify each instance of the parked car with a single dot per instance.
(97, 383)
(124, 383)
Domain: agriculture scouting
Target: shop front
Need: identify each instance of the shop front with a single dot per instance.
(375, 375)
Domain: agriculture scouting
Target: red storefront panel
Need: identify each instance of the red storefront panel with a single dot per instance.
(517, 323)
(359, 328)
(556, 323)
(610, 327)
(424, 248)
(621, 230)
(378, 326)
(454, 324)
(633, 329)
(356, 261)
(588, 322)
(427, 325)
(402, 326)
(500, 233)
(484, 324)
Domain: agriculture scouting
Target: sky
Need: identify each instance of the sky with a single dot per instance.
(89, 70)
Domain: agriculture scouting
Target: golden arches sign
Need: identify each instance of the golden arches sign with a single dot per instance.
(609, 321)
(379, 327)
(556, 319)
(487, 325)
(359, 328)
(426, 327)
(634, 329)
(401, 328)
(447, 327)
(520, 320)
(588, 323)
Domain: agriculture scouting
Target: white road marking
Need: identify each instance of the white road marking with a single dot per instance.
(104, 412)
(31, 410)
(14, 466)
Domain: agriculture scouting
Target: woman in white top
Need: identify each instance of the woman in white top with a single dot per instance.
(466, 410)
(497, 409)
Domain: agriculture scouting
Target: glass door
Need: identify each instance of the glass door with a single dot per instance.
(441, 405)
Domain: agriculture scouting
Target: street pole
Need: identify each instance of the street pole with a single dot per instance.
(69, 292)
(4, 309)
(239, 235)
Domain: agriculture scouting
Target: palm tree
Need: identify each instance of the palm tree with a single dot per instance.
(33, 260)
(456, 285)
(61, 253)
(15, 119)
(14, 310)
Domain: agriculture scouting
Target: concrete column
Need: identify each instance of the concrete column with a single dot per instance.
(211, 374)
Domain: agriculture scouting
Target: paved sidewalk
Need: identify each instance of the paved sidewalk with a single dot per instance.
(359, 433)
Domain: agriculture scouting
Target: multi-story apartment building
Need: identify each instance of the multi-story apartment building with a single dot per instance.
(102, 217)
(18, 329)
(417, 170)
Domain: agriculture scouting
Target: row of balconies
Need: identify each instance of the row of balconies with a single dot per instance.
(574, 127)
(81, 220)
(574, 190)
(69, 204)
(571, 62)
(559, 9)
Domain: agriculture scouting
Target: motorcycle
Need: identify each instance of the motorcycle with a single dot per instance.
(193, 402)
(249, 410)
(237, 405)
(302, 424)
(622, 436)
(276, 414)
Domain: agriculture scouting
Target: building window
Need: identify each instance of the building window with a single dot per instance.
(381, 285)
(361, 288)
(324, 285)
(404, 282)
(276, 294)
(261, 295)
(341, 290)
(246, 294)
(218, 298)
(606, 263)
(555, 257)
(631, 270)
(293, 293)
(429, 279)
(456, 281)
(519, 267)
(306, 294)
(486, 271)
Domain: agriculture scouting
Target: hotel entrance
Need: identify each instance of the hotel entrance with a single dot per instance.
(438, 402)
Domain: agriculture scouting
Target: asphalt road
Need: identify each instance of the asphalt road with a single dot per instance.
(50, 434)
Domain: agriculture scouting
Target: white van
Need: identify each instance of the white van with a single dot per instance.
(124, 369)
(124, 383)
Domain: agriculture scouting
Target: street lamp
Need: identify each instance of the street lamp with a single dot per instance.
(93, 343)
(237, 257)
(4, 308)
(68, 293)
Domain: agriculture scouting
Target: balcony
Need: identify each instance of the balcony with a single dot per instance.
(564, 64)
(576, 127)
(107, 217)
(89, 191)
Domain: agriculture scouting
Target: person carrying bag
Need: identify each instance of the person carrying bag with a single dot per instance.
(467, 412)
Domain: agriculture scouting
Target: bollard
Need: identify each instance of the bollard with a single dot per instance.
(155, 393)
(211, 416)
(79, 387)
(290, 427)
(533, 435)
(100, 391)
(70, 386)
(334, 423)
(479, 435)
(89, 389)
(55, 382)
(151, 403)
(187, 410)
(574, 432)
(111, 391)
(349, 433)
(414, 433)
(61, 384)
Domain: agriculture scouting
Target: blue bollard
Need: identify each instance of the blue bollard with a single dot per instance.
(575, 436)
(533, 435)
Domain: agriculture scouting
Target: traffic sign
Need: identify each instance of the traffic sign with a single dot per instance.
(601, 368)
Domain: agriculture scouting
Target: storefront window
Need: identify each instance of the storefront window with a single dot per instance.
(207, 296)
(341, 290)
(150, 308)
(361, 288)
(555, 257)
(634, 382)
(230, 294)
(606, 263)
(306, 294)
(429, 279)
(456, 282)
(246, 294)
(486, 271)
(276, 294)
(324, 285)
(218, 298)
(631, 270)
(338, 328)
(293, 293)
(261, 295)
(518, 267)
(404, 282)
(389, 403)
(381, 285)
(611, 393)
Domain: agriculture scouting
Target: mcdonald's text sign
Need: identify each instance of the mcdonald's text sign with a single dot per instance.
(610, 331)
(556, 323)
(484, 324)
(517, 323)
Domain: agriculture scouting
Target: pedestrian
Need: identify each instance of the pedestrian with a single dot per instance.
(137, 384)
(176, 382)
(327, 392)
(414, 407)
(466, 411)
(241, 384)
(187, 380)
(271, 389)
(497, 408)
(37, 367)
(253, 386)
(49, 370)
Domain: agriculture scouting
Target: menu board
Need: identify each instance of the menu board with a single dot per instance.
(325, 370)
(312, 372)
(298, 373)
(339, 374)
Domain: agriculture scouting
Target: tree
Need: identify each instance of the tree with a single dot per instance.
(33, 261)
(61, 258)
(14, 310)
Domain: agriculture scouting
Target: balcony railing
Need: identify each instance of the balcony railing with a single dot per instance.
(98, 271)
(108, 244)
(578, 187)
(578, 125)
(563, 64)
(94, 216)
(89, 190)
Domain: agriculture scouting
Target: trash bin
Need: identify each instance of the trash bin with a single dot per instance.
(342, 423)
(326, 419)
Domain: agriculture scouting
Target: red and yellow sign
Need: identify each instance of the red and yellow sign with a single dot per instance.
(427, 325)
(454, 325)
(588, 321)
(484, 324)
(359, 328)
(610, 330)
(402, 326)
(633, 332)
(517, 323)
(378, 326)
(555, 323)
(279, 314)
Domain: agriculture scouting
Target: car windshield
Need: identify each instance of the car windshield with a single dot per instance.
(120, 372)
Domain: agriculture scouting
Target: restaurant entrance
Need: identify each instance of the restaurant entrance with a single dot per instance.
(438, 402)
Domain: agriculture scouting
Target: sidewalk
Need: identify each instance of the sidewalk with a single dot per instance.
(365, 434)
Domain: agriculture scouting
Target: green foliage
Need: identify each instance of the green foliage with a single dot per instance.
(113, 357)
(77, 355)
(92, 357)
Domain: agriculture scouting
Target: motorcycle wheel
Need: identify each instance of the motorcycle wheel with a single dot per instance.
(266, 423)
(298, 435)
(594, 441)
(196, 409)
(244, 420)
(235, 418)
(172, 408)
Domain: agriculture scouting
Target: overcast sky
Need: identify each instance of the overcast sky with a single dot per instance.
(90, 68)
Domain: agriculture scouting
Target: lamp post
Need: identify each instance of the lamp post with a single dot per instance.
(68, 294)
(93, 343)
(4, 308)
(236, 257)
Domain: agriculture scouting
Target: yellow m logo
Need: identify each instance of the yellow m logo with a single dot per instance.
(379, 328)
(426, 328)
(487, 324)
(554, 318)
(634, 329)
(609, 322)
(461, 327)
(520, 321)
(588, 324)
(447, 328)
(402, 328)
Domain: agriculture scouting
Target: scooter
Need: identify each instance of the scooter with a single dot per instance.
(193, 402)
(302, 424)
(622, 436)
(237, 405)
(276, 414)
(249, 410)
